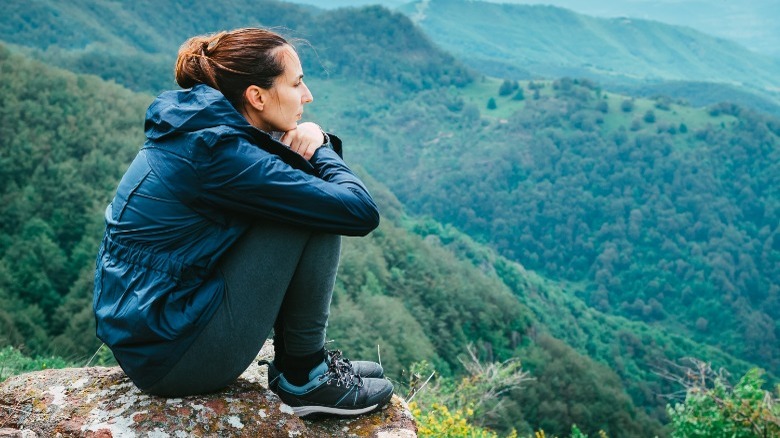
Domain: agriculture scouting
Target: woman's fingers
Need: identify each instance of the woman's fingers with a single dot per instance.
(304, 140)
(309, 152)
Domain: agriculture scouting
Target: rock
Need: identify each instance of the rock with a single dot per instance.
(103, 402)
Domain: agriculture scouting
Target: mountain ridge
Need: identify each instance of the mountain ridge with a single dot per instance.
(112, 37)
(641, 46)
(751, 23)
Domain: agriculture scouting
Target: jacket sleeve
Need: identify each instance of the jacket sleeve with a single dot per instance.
(246, 179)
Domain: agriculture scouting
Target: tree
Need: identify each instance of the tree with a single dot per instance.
(491, 105)
(506, 88)
(663, 103)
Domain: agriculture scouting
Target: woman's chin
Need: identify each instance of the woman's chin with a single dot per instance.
(284, 128)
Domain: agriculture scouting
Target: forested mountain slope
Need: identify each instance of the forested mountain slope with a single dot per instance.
(636, 352)
(654, 211)
(64, 141)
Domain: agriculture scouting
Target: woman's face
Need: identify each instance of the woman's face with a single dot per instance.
(285, 100)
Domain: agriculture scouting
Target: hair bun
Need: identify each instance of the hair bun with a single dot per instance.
(192, 65)
(231, 61)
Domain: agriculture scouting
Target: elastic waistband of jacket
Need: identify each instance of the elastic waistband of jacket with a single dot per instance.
(137, 255)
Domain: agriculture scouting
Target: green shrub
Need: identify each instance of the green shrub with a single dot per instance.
(13, 362)
(714, 408)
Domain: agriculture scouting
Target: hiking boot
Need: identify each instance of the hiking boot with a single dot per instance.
(273, 374)
(333, 390)
(362, 368)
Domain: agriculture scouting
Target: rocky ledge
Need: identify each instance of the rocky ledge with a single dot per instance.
(102, 402)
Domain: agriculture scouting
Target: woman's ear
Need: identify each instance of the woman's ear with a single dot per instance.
(256, 97)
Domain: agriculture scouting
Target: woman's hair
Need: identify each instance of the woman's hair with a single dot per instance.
(231, 61)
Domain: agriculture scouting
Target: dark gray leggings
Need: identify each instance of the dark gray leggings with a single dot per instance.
(272, 270)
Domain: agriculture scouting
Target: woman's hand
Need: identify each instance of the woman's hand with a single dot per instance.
(304, 140)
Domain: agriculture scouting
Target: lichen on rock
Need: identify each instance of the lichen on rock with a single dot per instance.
(103, 402)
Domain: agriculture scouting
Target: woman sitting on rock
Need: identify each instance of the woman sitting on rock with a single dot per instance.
(227, 224)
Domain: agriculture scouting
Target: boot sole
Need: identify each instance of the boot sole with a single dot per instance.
(314, 410)
(303, 411)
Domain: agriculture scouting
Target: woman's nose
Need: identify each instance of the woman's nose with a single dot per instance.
(307, 96)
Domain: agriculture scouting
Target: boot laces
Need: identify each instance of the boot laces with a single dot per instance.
(340, 368)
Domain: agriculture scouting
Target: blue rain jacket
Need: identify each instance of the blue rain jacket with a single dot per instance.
(201, 178)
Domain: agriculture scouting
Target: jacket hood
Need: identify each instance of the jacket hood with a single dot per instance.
(179, 119)
(200, 108)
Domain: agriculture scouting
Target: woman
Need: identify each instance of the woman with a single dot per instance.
(228, 223)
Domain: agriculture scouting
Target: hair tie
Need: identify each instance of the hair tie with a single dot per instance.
(204, 48)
